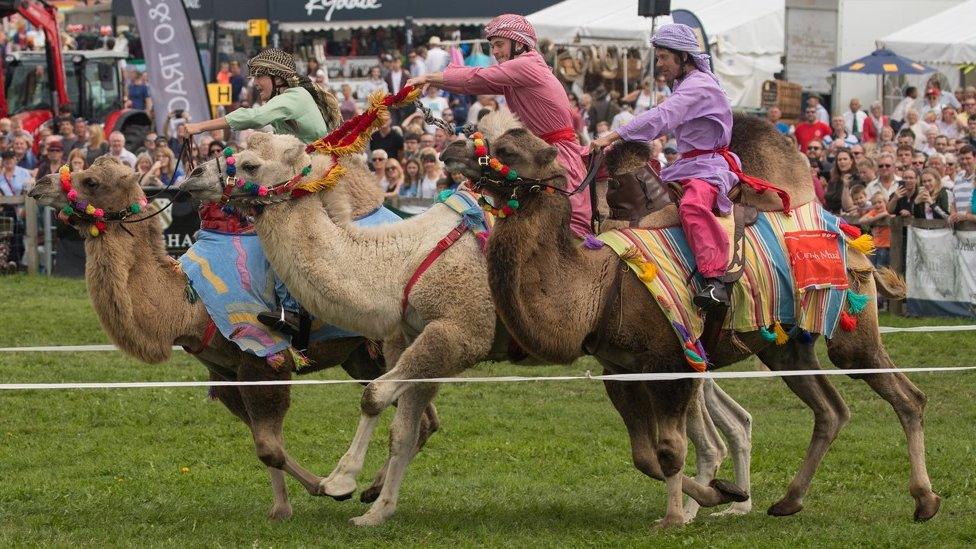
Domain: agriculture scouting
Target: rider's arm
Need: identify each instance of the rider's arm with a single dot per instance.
(517, 72)
(683, 105)
(284, 106)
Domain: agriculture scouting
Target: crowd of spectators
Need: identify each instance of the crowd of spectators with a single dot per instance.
(917, 163)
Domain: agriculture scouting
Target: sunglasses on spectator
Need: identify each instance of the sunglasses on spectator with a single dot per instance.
(391, 169)
(375, 158)
(885, 165)
(814, 148)
(918, 162)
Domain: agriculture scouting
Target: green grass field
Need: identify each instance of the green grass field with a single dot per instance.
(535, 464)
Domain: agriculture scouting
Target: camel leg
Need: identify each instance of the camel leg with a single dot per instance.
(439, 351)
(430, 423)
(710, 450)
(830, 414)
(863, 349)
(735, 424)
(632, 400)
(404, 433)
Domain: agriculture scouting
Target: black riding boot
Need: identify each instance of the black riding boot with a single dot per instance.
(712, 295)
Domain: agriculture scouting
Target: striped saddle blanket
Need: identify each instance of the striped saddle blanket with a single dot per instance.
(766, 295)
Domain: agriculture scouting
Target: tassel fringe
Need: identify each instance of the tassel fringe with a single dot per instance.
(850, 230)
(856, 302)
(591, 242)
(863, 244)
(695, 361)
(648, 272)
(766, 334)
(781, 336)
(848, 323)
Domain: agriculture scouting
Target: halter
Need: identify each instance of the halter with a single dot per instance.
(494, 171)
(81, 210)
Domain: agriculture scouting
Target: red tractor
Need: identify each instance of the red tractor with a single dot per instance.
(38, 86)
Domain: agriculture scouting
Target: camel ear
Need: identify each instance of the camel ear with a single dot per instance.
(548, 155)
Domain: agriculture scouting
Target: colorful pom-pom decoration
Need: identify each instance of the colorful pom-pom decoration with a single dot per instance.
(231, 161)
(72, 195)
(767, 335)
(228, 151)
(848, 322)
(856, 302)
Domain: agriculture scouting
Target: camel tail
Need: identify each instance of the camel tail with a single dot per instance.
(890, 284)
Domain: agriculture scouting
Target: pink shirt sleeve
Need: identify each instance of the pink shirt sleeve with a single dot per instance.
(490, 80)
(683, 105)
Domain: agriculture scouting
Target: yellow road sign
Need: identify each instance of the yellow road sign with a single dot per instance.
(259, 27)
(219, 94)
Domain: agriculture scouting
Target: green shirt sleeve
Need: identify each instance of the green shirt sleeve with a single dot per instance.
(284, 106)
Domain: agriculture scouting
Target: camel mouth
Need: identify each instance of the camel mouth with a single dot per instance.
(201, 188)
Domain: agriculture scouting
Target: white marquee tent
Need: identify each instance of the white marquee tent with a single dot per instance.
(746, 36)
(942, 41)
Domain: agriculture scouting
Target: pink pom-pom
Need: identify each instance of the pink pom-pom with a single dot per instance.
(231, 161)
(99, 212)
(262, 191)
(143, 201)
(72, 195)
(240, 182)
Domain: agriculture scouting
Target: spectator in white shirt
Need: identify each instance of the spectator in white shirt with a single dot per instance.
(822, 114)
(948, 124)
(887, 181)
(418, 66)
(116, 148)
(854, 119)
(898, 115)
(437, 59)
(374, 83)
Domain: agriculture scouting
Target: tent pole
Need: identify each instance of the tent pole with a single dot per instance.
(626, 91)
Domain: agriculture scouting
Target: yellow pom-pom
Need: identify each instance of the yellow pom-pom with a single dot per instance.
(93, 231)
(648, 272)
(64, 170)
(863, 244)
(90, 209)
(781, 336)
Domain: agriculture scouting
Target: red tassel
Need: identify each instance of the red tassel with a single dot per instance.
(850, 230)
(848, 322)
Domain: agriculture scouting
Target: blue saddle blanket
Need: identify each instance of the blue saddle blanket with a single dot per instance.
(234, 280)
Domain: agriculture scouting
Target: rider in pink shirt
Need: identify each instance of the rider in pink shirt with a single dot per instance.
(532, 92)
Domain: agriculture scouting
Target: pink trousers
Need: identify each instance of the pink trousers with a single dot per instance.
(706, 237)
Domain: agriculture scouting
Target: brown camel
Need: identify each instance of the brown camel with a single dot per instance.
(355, 279)
(530, 252)
(139, 293)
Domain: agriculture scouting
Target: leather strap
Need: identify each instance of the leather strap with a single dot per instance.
(439, 248)
(208, 334)
(757, 183)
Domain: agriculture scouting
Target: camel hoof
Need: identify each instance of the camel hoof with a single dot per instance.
(736, 509)
(670, 521)
(729, 490)
(337, 490)
(279, 513)
(368, 519)
(927, 507)
(370, 494)
(785, 508)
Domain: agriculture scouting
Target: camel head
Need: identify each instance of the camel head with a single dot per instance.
(532, 158)
(268, 160)
(107, 184)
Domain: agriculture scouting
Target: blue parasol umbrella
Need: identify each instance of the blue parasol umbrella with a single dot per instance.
(883, 61)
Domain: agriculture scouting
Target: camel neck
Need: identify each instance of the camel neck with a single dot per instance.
(540, 280)
(136, 293)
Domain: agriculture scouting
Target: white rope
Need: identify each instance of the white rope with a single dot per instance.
(656, 376)
(105, 348)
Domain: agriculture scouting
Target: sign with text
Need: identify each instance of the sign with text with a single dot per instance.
(219, 94)
(940, 269)
(175, 75)
(259, 27)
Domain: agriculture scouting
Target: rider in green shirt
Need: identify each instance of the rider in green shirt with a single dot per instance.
(288, 99)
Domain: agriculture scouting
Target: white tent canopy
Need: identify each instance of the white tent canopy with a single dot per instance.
(948, 37)
(942, 41)
(746, 36)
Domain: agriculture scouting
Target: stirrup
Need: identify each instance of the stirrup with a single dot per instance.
(706, 299)
(278, 323)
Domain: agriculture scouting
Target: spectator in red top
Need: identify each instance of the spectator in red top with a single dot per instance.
(873, 124)
(810, 129)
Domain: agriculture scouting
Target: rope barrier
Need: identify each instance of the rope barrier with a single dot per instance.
(104, 348)
(654, 376)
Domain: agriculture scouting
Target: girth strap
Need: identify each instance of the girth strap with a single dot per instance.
(208, 334)
(439, 248)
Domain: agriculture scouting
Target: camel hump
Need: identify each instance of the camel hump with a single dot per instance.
(766, 153)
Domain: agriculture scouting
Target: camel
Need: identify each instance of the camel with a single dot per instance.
(138, 297)
(355, 278)
(529, 250)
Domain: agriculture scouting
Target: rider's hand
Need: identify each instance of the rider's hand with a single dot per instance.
(418, 81)
(192, 129)
(604, 142)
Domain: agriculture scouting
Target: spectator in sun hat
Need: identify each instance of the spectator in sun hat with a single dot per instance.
(437, 57)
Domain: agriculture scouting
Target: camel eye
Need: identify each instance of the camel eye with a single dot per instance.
(250, 167)
(89, 183)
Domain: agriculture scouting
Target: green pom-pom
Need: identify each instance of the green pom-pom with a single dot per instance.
(135, 208)
(444, 195)
(767, 335)
(306, 170)
(512, 175)
(514, 204)
(228, 151)
(68, 210)
(249, 186)
(695, 357)
(856, 302)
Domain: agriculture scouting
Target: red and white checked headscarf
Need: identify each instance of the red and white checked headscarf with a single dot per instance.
(512, 26)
